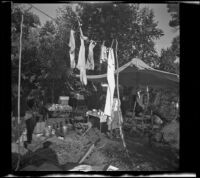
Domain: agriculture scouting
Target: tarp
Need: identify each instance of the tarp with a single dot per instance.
(136, 72)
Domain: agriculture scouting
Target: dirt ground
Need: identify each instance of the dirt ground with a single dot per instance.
(142, 155)
(154, 157)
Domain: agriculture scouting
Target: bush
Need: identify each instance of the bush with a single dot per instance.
(164, 107)
(171, 134)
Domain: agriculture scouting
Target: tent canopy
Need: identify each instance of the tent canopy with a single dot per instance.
(136, 72)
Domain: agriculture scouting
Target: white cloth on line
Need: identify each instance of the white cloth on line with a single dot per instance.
(81, 63)
(103, 55)
(90, 60)
(72, 49)
(111, 83)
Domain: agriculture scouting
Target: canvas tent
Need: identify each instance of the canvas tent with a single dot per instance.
(137, 72)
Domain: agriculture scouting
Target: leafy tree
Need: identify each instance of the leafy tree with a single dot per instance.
(175, 46)
(173, 9)
(170, 55)
(167, 59)
(52, 56)
(134, 28)
(29, 47)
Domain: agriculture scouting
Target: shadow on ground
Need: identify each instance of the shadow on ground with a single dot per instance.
(159, 157)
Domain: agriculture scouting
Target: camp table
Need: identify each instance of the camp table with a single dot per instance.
(78, 100)
(57, 122)
(97, 120)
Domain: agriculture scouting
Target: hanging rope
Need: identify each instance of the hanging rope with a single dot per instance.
(78, 19)
(19, 87)
(42, 12)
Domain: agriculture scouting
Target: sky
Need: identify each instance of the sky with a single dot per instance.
(160, 11)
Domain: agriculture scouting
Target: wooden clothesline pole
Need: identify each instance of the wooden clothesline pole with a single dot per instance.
(112, 43)
(19, 71)
(19, 86)
(118, 109)
(19, 83)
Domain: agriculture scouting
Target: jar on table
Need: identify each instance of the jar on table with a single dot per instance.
(64, 130)
(48, 131)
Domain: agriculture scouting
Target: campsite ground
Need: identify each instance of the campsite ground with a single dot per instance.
(155, 157)
(144, 157)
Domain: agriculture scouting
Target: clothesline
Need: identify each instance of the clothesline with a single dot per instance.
(98, 42)
(43, 12)
(87, 40)
(81, 57)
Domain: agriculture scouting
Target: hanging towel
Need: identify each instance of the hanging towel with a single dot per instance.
(140, 99)
(83, 76)
(103, 55)
(90, 60)
(81, 59)
(81, 63)
(111, 83)
(116, 116)
(72, 49)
